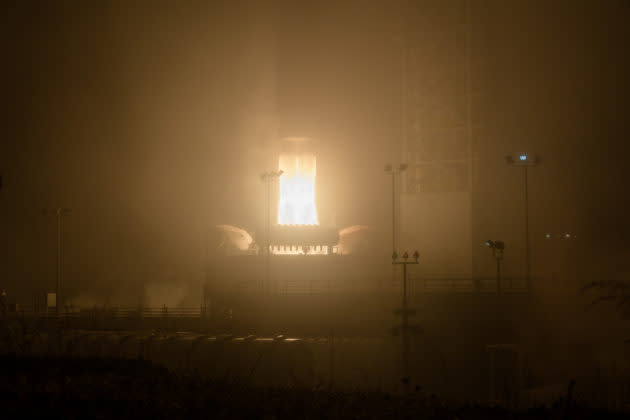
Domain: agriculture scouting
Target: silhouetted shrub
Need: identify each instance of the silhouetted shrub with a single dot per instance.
(121, 389)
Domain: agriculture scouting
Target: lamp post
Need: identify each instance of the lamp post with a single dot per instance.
(59, 212)
(525, 161)
(393, 172)
(268, 177)
(405, 311)
(497, 252)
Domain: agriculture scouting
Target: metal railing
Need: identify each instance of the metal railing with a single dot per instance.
(416, 285)
(463, 285)
(109, 312)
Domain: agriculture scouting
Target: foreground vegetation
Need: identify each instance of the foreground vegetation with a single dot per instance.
(97, 388)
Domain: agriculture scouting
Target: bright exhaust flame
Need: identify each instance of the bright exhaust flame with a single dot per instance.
(297, 190)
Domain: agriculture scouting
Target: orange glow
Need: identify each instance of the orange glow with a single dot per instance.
(297, 190)
(238, 237)
(302, 250)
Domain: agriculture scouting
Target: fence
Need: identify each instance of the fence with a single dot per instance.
(415, 285)
(463, 285)
(110, 312)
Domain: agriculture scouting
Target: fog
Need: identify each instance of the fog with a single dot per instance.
(153, 123)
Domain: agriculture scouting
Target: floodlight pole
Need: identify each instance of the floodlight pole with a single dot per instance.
(525, 160)
(497, 253)
(527, 261)
(498, 256)
(57, 299)
(393, 172)
(393, 211)
(498, 275)
(405, 312)
(267, 239)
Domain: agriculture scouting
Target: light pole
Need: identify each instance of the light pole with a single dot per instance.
(525, 161)
(497, 252)
(58, 212)
(268, 177)
(393, 172)
(405, 311)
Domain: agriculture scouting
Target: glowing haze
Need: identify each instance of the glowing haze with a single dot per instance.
(297, 189)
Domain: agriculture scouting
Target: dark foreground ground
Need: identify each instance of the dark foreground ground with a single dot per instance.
(121, 389)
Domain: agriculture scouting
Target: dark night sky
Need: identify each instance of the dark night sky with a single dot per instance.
(152, 122)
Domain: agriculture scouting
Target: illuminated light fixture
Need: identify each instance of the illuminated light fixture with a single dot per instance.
(522, 159)
(296, 205)
(405, 256)
(564, 236)
(401, 168)
(498, 245)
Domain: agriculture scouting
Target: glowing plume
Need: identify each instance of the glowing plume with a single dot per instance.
(297, 190)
